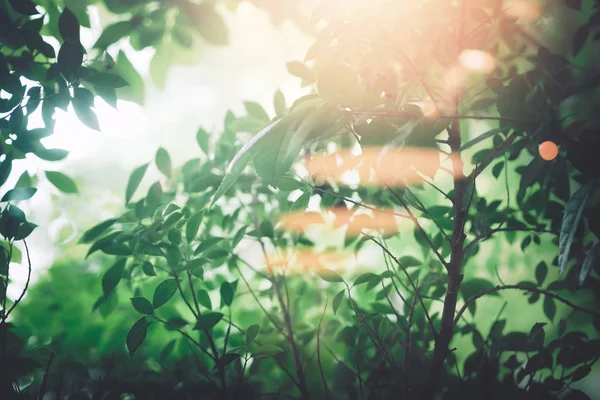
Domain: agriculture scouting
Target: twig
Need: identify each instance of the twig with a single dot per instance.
(17, 301)
(495, 153)
(45, 377)
(526, 289)
(187, 336)
(319, 351)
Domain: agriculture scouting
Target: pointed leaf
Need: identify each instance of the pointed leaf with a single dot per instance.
(266, 350)
(208, 321)
(163, 292)
(571, 217)
(19, 194)
(163, 162)
(136, 335)
(243, 158)
(113, 276)
(142, 305)
(592, 258)
(134, 181)
(251, 333)
(61, 181)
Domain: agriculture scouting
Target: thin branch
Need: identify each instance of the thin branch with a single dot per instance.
(418, 225)
(319, 351)
(45, 377)
(525, 289)
(187, 336)
(412, 284)
(496, 230)
(26, 283)
(497, 152)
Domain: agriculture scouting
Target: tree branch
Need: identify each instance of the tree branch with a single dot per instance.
(526, 289)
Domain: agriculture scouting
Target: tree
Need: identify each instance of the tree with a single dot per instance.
(386, 156)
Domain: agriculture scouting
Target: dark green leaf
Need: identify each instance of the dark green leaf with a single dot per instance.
(136, 335)
(25, 7)
(142, 305)
(592, 258)
(112, 33)
(226, 293)
(68, 26)
(227, 359)
(208, 320)
(571, 217)
(266, 229)
(549, 307)
(113, 276)
(207, 244)
(148, 268)
(541, 271)
(70, 58)
(163, 292)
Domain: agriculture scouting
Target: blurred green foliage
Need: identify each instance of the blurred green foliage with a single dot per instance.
(222, 277)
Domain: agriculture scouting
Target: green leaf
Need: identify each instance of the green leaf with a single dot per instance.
(163, 162)
(112, 33)
(410, 261)
(266, 350)
(61, 181)
(108, 80)
(366, 277)
(192, 226)
(134, 181)
(251, 333)
(70, 58)
(266, 229)
(224, 361)
(300, 70)
(78, 369)
(25, 230)
(226, 293)
(202, 138)
(337, 300)
(136, 335)
(549, 308)
(541, 271)
(163, 292)
(83, 109)
(592, 258)
(257, 111)
(204, 299)
(571, 217)
(68, 26)
(113, 276)
(208, 320)
(18, 194)
(97, 230)
(243, 158)
(329, 275)
(25, 7)
(142, 305)
(301, 203)
(148, 268)
(207, 244)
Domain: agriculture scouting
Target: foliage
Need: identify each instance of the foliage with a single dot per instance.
(394, 167)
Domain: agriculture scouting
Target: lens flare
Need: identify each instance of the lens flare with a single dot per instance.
(548, 150)
(478, 61)
(379, 166)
